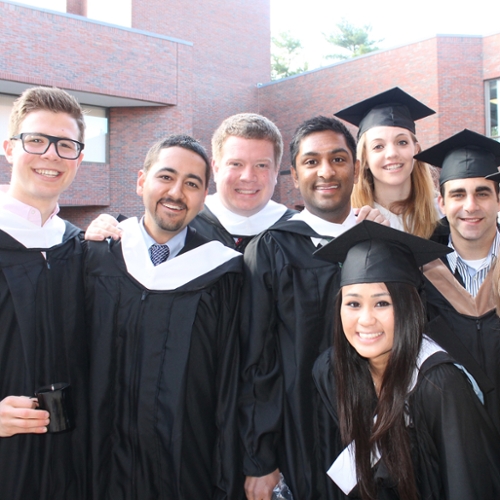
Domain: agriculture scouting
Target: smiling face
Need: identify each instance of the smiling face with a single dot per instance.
(471, 207)
(389, 156)
(245, 174)
(367, 316)
(325, 174)
(173, 191)
(38, 180)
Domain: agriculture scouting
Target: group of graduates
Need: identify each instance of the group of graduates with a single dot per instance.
(220, 345)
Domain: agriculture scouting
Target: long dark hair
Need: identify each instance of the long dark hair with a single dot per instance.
(357, 401)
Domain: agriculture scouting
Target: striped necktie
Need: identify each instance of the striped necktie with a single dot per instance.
(158, 253)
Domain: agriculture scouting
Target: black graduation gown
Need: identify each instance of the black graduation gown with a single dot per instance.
(467, 327)
(43, 342)
(455, 446)
(163, 381)
(287, 321)
(209, 226)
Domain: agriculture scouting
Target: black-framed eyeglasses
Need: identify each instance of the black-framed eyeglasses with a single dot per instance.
(38, 144)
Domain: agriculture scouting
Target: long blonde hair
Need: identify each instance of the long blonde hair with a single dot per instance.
(418, 210)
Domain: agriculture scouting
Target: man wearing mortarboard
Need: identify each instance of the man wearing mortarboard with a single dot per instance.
(459, 290)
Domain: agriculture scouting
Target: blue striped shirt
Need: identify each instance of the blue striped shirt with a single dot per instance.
(473, 279)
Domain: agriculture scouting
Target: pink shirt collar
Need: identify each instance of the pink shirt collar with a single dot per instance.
(21, 209)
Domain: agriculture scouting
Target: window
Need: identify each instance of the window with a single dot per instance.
(96, 134)
(5, 107)
(493, 109)
(96, 129)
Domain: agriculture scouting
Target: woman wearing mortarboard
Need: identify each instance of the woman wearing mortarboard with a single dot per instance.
(390, 179)
(400, 419)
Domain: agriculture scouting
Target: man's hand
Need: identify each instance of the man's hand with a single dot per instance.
(103, 227)
(261, 488)
(19, 416)
(369, 213)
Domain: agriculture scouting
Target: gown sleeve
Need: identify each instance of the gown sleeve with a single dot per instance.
(458, 446)
(261, 398)
(228, 475)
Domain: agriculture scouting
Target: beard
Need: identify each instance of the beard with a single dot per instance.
(164, 222)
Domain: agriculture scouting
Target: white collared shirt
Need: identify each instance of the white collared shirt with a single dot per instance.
(323, 227)
(239, 225)
(24, 223)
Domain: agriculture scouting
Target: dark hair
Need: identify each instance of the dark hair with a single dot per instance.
(320, 124)
(181, 141)
(357, 401)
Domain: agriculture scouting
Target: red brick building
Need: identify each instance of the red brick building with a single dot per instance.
(183, 67)
(453, 75)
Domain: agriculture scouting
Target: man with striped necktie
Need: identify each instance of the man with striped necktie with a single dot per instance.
(162, 306)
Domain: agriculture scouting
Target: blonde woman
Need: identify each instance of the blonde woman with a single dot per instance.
(390, 178)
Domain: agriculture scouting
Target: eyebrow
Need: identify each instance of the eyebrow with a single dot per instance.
(479, 189)
(382, 294)
(173, 171)
(332, 152)
(258, 160)
(398, 136)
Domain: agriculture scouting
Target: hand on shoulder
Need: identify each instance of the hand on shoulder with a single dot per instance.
(105, 226)
(369, 213)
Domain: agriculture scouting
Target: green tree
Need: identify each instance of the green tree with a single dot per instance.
(356, 41)
(284, 51)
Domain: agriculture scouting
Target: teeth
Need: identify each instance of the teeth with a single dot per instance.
(48, 173)
(171, 207)
(325, 188)
(393, 167)
(245, 191)
(369, 335)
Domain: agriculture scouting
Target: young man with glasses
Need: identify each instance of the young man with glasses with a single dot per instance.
(41, 300)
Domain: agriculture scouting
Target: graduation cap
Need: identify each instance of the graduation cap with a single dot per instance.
(392, 108)
(372, 253)
(464, 155)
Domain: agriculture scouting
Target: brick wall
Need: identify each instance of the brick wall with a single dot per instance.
(444, 72)
(132, 132)
(231, 52)
(461, 88)
(43, 48)
(491, 57)
(78, 7)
